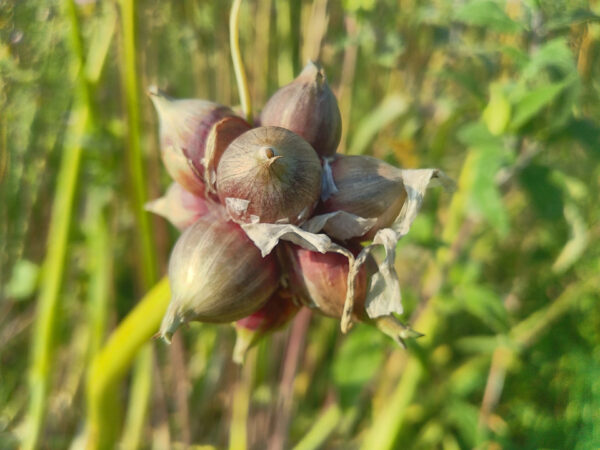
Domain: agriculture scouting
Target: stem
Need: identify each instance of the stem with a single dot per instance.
(238, 64)
(58, 230)
(238, 437)
(129, 77)
(113, 361)
(139, 398)
(99, 245)
(142, 375)
(321, 430)
(285, 404)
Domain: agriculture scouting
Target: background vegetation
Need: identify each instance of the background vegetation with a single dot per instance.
(502, 277)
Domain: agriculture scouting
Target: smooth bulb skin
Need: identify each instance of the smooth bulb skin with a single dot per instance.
(275, 171)
(184, 128)
(367, 187)
(320, 280)
(308, 107)
(216, 275)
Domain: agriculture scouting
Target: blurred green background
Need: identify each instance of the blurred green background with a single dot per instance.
(502, 277)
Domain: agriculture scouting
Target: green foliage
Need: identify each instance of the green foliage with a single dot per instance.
(501, 277)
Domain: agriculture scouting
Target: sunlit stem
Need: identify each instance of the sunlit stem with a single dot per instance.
(236, 56)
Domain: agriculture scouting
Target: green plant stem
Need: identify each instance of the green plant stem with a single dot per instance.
(99, 246)
(139, 398)
(54, 264)
(321, 430)
(141, 379)
(238, 64)
(129, 83)
(58, 230)
(285, 59)
(115, 358)
(238, 433)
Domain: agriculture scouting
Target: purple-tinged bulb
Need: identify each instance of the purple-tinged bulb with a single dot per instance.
(216, 274)
(320, 281)
(178, 206)
(366, 187)
(270, 175)
(308, 107)
(184, 128)
(274, 315)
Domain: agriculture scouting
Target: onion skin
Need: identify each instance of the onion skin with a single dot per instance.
(308, 107)
(184, 128)
(275, 171)
(321, 279)
(179, 206)
(367, 187)
(217, 275)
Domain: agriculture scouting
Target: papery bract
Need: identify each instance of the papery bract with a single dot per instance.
(179, 206)
(320, 280)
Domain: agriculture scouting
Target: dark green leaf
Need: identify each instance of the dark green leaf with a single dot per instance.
(545, 197)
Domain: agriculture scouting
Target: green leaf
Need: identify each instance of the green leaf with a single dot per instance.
(488, 14)
(24, 280)
(464, 417)
(496, 115)
(532, 102)
(485, 197)
(545, 196)
(388, 110)
(357, 361)
(567, 19)
(476, 134)
(554, 54)
(485, 304)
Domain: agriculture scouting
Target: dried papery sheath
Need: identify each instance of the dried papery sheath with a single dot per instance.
(184, 128)
(383, 293)
(178, 206)
(308, 107)
(275, 314)
(216, 275)
(366, 187)
(269, 174)
(267, 235)
(320, 280)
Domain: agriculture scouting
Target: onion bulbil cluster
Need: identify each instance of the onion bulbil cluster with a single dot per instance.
(274, 219)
